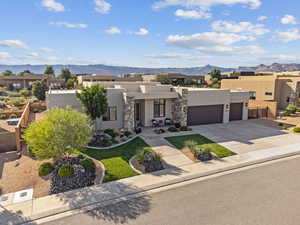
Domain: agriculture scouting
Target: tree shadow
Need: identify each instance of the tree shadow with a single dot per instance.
(8, 217)
(116, 202)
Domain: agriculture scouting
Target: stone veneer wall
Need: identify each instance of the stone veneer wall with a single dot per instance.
(180, 106)
(128, 112)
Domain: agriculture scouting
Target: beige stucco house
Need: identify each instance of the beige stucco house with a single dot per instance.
(283, 89)
(132, 103)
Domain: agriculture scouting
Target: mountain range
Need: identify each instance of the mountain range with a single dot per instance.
(117, 70)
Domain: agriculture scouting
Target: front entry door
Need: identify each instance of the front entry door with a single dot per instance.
(137, 113)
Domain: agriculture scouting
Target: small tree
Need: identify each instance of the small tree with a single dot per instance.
(65, 74)
(58, 133)
(215, 74)
(94, 101)
(71, 83)
(7, 73)
(39, 89)
(24, 73)
(49, 70)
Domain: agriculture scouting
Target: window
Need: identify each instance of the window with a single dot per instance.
(111, 114)
(159, 108)
(269, 93)
(288, 99)
(252, 95)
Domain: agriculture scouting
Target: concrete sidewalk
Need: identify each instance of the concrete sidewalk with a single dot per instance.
(103, 194)
(172, 156)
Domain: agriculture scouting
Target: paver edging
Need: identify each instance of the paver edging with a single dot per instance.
(114, 146)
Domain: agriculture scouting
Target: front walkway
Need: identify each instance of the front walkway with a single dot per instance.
(172, 156)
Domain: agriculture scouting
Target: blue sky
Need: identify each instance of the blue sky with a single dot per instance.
(150, 33)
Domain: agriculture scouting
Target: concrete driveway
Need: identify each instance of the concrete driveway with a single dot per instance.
(246, 136)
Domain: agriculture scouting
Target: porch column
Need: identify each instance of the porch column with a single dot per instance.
(180, 107)
(128, 112)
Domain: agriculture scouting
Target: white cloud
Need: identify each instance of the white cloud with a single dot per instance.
(141, 32)
(242, 27)
(281, 58)
(262, 18)
(102, 6)
(216, 43)
(289, 19)
(69, 25)
(4, 55)
(46, 49)
(52, 5)
(192, 14)
(13, 43)
(205, 4)
(172, 56)
(287, 36)
(113, 30)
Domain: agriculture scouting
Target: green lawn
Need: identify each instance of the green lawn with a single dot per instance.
(116, 159)
(179, 142)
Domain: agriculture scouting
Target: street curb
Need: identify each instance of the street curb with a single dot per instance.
(94, 205)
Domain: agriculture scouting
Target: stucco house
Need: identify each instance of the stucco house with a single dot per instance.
(132, 103)
(283, 89)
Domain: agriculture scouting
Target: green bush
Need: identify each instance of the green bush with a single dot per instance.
(66, 170)
(291, 109)
(159, 131)
(14, 95)
(190, 144)
(296, 129)
(3, 116)
(45, 169)
(111, 132)
(172, 129)
(88, 164)
(147, 153)
(185, 128)
(103, 143)
(298, 109)
(286, 113)
(25, 92)
(127, 133)
(13, 116)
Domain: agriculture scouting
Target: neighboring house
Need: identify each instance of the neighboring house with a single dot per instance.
(284, 90)
(104, 77)
(132, 103)
(174, 78)
(26, 81)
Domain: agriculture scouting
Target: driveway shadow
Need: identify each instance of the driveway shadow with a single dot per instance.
(8, 217)
(112, 208)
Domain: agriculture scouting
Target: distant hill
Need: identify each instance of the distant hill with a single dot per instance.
(115, 70)
(118, 70)
(272, 67)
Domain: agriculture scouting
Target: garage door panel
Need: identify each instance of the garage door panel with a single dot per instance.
(198, 115)
(236, 111)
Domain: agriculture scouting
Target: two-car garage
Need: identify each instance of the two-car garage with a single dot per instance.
(208, 114)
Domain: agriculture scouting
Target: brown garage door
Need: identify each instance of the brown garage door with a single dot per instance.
(198, 115)
(236, 111)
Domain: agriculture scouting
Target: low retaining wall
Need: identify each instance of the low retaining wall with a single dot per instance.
(7, 142)
(270, 105)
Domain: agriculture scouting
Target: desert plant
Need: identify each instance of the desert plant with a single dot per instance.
(190, 144)
(291, 109)
(112, 133)
(25, 92)
(172, 129)
(203, 154)
(13, 116)
(45, 169)
(66, 170)
(150, 160)
(88, 164)
(296, 129)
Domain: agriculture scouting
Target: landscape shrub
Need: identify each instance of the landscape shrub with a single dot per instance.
(104, 143)
(185, 128)
(159, 131)
(177, 124)
(65, 171)
(25, 92)
(127, 133)
(150, 160)
(291, 109)
(172, 129)
(88, 164)
(298, 109)
(111, 132)
(190, 144)
(13, 116)
(203, 154)
(3, 116)
(45, 169)
(296, 129)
